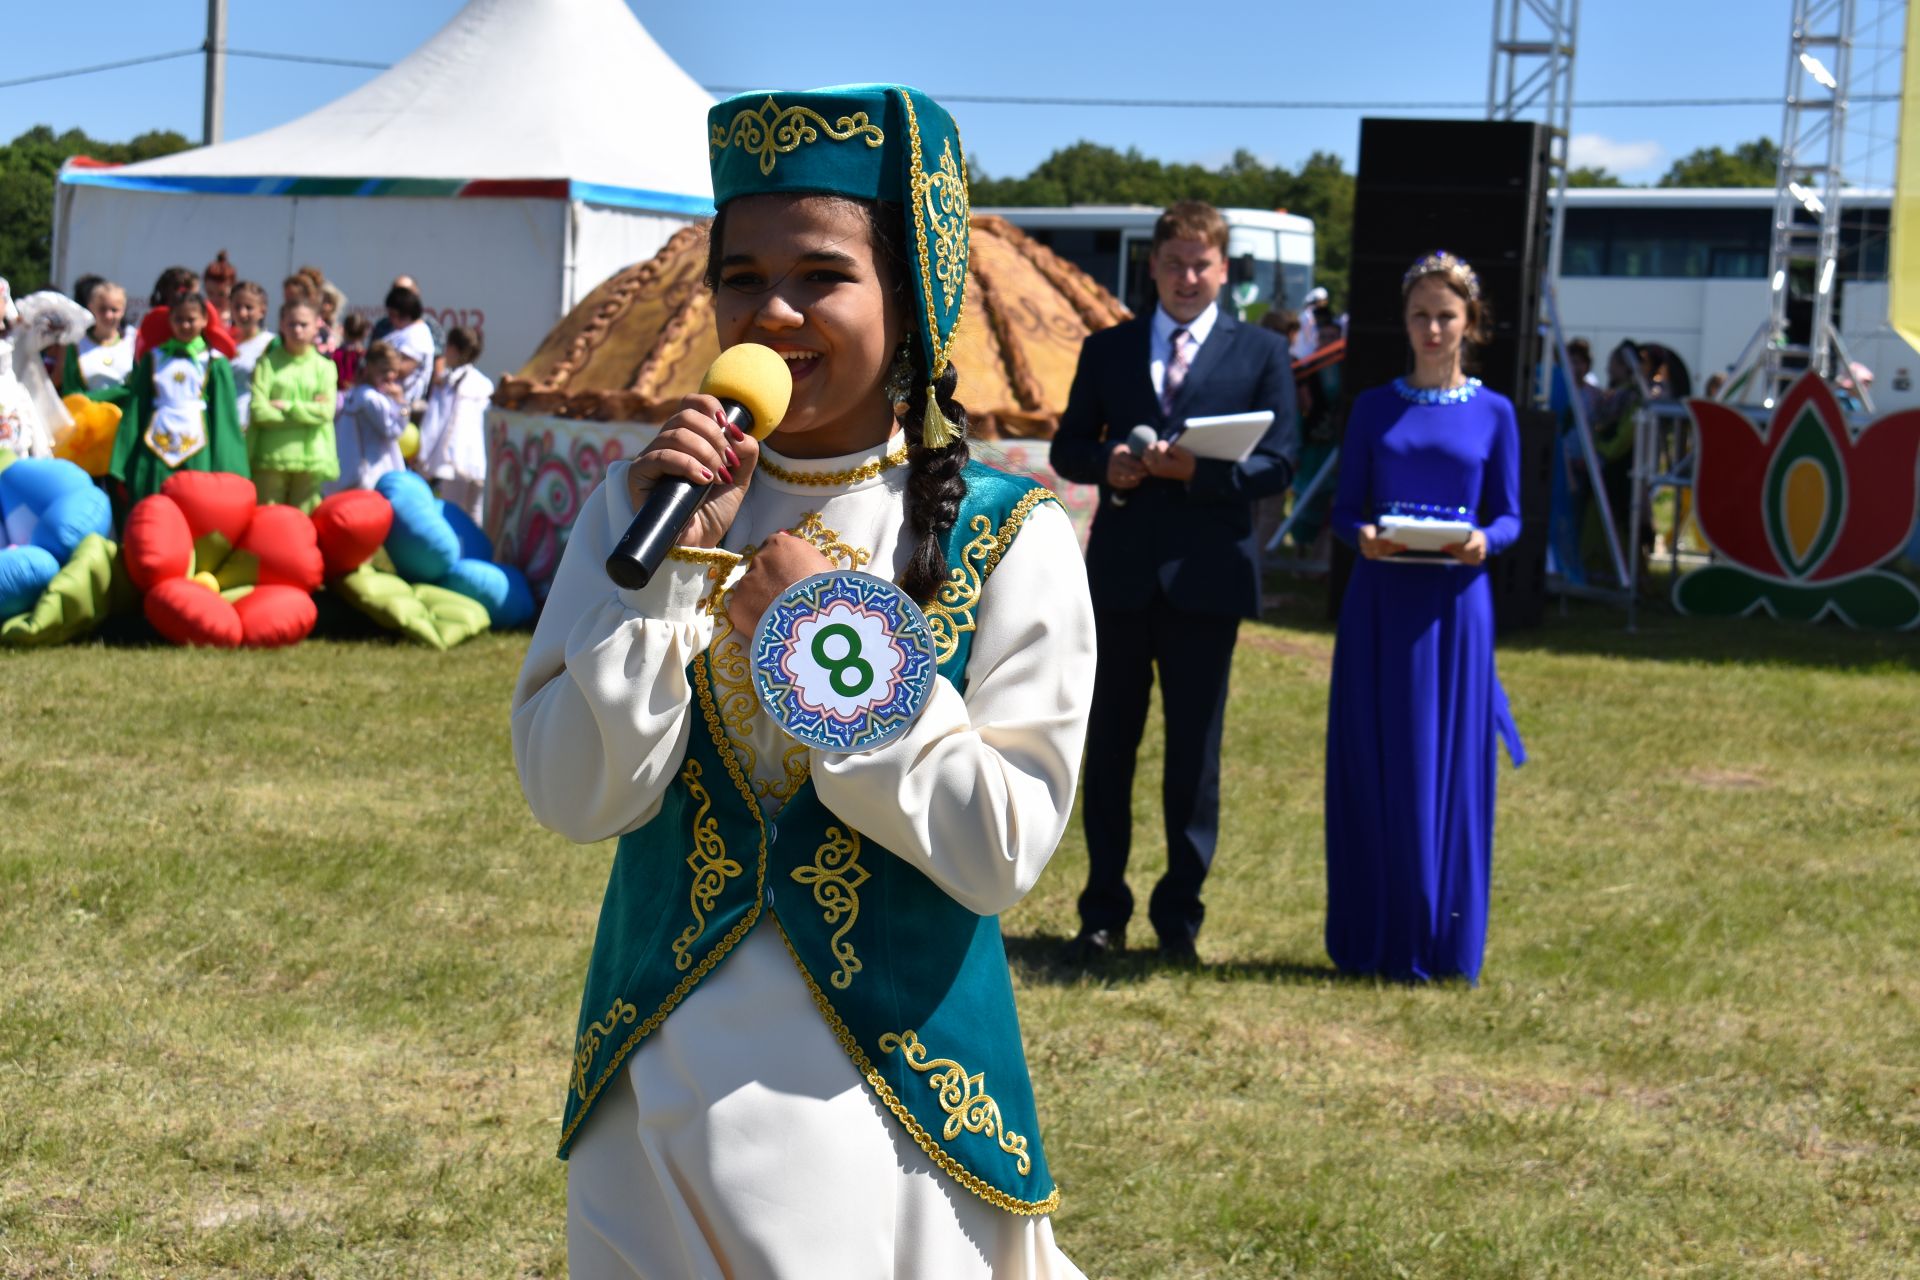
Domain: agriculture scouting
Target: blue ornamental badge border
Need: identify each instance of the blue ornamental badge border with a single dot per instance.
(846, 633)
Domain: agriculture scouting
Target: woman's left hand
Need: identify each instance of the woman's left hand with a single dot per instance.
(1472, 551)
(781, 561)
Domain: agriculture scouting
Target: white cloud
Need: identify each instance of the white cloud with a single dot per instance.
(1629, 159)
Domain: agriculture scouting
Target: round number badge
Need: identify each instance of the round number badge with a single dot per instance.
(843, 661)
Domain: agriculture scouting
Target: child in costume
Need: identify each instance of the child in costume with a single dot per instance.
(156, 326)
(251, 338)
(352, 351)
(453, 433)
(798, 1052)
(372, 420)
(31, 414)
(178, 411)
(103, 357)
(290, 440)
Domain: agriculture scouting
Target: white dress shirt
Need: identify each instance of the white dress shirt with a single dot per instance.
(1161, 339)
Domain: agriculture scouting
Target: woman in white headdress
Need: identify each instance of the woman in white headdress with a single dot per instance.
(30, 410)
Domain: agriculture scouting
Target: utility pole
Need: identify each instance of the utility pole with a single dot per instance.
(216, 72)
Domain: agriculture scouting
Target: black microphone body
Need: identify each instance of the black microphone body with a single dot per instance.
(1139, 440)
(663, 516)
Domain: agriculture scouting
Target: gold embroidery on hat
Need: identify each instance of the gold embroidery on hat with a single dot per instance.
(772, 130)
(940, 200)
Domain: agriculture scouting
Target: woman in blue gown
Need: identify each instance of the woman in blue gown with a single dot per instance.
(1415, 705)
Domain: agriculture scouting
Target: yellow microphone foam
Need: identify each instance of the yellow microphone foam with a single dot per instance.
(753, 376)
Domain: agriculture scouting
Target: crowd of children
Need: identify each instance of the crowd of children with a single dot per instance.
(321, 402)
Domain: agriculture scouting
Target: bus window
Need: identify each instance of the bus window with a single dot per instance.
(1094, 251)
(1139, 293)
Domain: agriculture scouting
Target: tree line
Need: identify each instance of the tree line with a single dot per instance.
(1084, 173)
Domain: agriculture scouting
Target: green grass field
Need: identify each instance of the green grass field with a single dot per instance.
(289, 980)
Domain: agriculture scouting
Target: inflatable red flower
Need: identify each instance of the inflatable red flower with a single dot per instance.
(216, 569)
(1805, 509)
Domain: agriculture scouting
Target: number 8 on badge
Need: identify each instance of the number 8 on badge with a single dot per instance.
(843, 661)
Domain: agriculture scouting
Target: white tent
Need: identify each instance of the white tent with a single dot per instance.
(526, 152)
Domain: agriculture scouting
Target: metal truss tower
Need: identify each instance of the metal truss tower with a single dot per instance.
(1530, 76)
(1812, 146)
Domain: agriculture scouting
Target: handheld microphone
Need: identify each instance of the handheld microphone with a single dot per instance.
(753, 385)
(1139, 440)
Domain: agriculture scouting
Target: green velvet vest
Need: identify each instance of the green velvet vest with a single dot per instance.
(913, 985)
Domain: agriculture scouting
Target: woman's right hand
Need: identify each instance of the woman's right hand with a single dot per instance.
(697, 446)
(1375, 547)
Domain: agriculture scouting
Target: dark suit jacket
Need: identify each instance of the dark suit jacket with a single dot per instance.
(1192, 541)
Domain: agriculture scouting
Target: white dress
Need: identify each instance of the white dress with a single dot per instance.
(746, 1145)
(453, 431)
(246, 355)
(104, 364)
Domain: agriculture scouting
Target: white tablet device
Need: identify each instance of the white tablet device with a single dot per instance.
(1419, 533)
(1225, 437)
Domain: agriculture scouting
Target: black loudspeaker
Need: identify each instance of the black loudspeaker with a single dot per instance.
(1476, 188)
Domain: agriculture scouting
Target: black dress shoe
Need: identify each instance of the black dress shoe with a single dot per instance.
(1090, 946)
(1178, 951)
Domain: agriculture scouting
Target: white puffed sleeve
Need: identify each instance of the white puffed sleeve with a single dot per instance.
(977, 793)
(600, 711)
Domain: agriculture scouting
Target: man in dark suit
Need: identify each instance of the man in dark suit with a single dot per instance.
(1171, 562)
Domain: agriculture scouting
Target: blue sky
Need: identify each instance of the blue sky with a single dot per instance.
(1375, 50)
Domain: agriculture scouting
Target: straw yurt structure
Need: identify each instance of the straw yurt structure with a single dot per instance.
(619, 363)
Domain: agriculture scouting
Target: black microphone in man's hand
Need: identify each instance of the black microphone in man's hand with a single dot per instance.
(753, 385)
(1139, 440)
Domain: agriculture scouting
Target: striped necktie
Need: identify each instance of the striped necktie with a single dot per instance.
(1176, 368)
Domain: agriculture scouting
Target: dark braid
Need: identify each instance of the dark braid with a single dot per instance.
(935, 487)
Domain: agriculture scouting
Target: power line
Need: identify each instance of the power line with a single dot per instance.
(306, 57)
(104, 66)
(1020, 100)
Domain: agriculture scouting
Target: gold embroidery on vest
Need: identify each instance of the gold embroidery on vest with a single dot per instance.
(891, 1100)
(950, 613)
(703, 690)
(712, 868)
(963, 1097)
(772, 130)
(589, 1042)
(835, 875)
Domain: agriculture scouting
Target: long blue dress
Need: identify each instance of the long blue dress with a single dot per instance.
(1415, 704)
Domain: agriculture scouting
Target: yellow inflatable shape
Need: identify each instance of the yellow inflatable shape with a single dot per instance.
(89, 441)
(410, 442)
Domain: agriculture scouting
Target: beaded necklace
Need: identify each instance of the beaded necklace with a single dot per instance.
(1437, 395)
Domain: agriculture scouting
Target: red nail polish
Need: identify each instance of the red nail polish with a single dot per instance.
(736, 432)
(706, 475)
(733, 459)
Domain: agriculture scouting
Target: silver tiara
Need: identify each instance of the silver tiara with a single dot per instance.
(1442, 263)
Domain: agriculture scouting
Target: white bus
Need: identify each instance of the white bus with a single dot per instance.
(1687, 268)
(1270, 252)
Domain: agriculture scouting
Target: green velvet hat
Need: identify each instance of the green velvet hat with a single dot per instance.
(870, 142)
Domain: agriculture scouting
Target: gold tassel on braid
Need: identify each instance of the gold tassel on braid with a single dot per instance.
(935, 431)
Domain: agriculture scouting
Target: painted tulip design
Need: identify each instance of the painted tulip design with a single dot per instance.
(1804, 510)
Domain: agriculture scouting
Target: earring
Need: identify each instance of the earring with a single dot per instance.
(899, 383)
